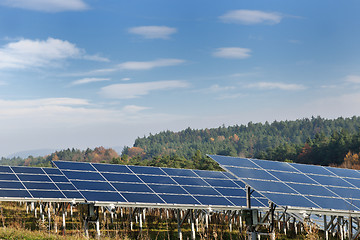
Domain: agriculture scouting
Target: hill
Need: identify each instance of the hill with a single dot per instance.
(313, 141)
(252, 140)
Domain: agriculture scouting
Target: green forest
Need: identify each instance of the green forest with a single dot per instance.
(320, 141)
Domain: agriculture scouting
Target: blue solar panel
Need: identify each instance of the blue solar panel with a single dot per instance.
(332, 203)
(8, 177)
(14, 194)
(28, 170)
(142, 198)
(232, 192)
(179, 172)
(52, 171)
(331, 181)
(111, 168)
(131, 187)
(5, 169)
(285, 199)
(251, 173)
(179, 199)
(210, 174)
(72, 194)
(292, 177)
(214, 200)
(92, 185)
(146, 170)
(233, 161)
(102, 196)
(346, 192)
(11, 185)
(342, 172)
(157, 179)
(297, 185)
(271, 165)
(222, 183)
(58, 179)
(47, 194)
(311, 169)
(152, 185)
(167, 189)
(33, 178)
(66, 186)
(312, 190)
(120, 177)
(270, 186)
(79, 175)
(201, 190)
(75, 166)
(190, 181)
(31, 183)
(40, 185)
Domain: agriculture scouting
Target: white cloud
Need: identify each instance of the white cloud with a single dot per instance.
(15, 104)
(47, 5)
(27, 53)
(89, 80)
(134, 108)
(250, 17)
(216, 88)
(135, 90)
(277, 85)
(150, 64)
(125, 79)
(352, 79)
(232, 52)
(153, 32)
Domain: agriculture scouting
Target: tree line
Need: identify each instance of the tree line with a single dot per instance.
(309, 140)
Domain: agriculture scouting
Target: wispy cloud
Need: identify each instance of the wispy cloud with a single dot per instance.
(89, 80)
(14, 104)
(153, 32)
(277, 85)
(132, 66)
(218, 89)
(150, 64)
(27, 53)
(352, 79)
(251, 17)
(134, 108)
(47, 5)
(135, 90)
(232, 52)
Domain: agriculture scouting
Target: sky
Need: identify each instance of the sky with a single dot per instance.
(88, 73)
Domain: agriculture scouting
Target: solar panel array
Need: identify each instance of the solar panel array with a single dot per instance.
(297, 185)
(31, 183)
(154, 185)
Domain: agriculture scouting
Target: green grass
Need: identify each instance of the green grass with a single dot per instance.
(18, 233)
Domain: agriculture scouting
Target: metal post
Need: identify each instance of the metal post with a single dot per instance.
(98, 228)
(326, 232)
(179, 224)
(192, 224)
(49, 215)
(350, 226)
(63, 219)
(248, 193)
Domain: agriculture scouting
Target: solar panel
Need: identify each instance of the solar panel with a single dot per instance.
(125, 184)
(33, 183)
(297, 185)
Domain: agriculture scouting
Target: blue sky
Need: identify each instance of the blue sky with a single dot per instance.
(87, 73)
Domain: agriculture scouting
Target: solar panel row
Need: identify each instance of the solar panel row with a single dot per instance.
(35, 183)
(298, 185)
(153, 185)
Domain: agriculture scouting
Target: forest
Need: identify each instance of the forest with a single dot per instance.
(320, 141)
